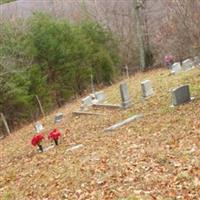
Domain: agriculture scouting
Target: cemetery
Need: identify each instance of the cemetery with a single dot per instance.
(100, 100)
(151, 126)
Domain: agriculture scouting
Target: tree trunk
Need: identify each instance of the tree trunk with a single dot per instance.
(40, 105)
(5, 123)
(136, 12)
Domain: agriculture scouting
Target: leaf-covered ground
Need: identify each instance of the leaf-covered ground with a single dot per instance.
(157, 157)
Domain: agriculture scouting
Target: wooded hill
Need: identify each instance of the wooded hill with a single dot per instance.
(53, 59)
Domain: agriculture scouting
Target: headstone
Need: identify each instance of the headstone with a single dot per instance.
(124, 122)
(197, 61)
(180, 95)
(100, 96)
(187, 64)
(86, 102)
(147, 89)
(38, 127)
(176, 68)
(126, 101)
(58, 117)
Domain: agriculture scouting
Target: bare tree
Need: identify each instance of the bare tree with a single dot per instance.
(180, 32)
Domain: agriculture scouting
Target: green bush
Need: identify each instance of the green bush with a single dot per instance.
(53, 59)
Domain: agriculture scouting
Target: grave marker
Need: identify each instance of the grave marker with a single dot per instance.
(147, 89)
(100, 96)
(126, 101)
(58, 118)
(176, 68)
(38, 127)
(197, 61)
(181, 95)
(86, 102)
(187, 64)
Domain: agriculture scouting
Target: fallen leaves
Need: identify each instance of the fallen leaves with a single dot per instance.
(155, 158)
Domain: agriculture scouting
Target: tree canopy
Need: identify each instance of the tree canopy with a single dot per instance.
(53, 59)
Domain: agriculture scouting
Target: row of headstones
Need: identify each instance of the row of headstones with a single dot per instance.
(180, 95)
(99, 97)
(186, 65)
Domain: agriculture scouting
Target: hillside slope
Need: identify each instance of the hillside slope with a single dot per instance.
(156, 157)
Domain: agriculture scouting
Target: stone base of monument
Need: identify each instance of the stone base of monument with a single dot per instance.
(191, 99)
(186, 70)
(124, 122)
(126, 104)
(109, 106)
(143, 99)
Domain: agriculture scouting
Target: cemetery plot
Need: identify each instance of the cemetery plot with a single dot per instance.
(100, 102)
(126, 102)
(88, 102)
(154, 152)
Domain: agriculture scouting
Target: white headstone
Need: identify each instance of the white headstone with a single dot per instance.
(126, 101)
(100, 96)
(38, 127)
(181, 95)
(197, 61)
(176, 68)
(86, 102)
(147, 89)
(58, 117)
(187, 64)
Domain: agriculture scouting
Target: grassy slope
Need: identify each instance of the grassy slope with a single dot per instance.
(154, 158)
